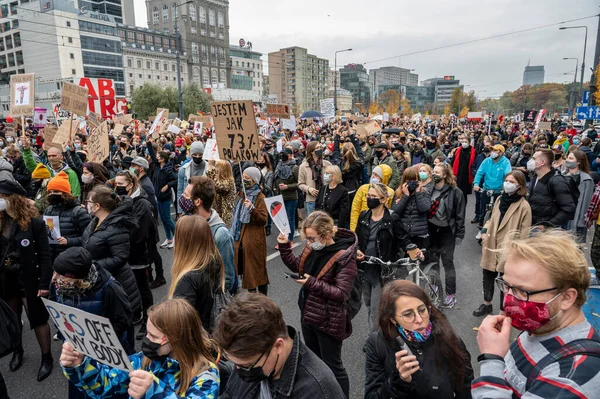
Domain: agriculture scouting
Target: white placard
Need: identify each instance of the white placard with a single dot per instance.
(276, 209)
(279, 145)
(386, 117)
(289, 124)
(89, 334)
(52, 228)
(198, 128)
(155, 124)
(211, 151)
(327, 108)
(173, 129)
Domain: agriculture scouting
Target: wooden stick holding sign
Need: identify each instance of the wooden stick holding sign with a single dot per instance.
(23, 126)
(235, 129)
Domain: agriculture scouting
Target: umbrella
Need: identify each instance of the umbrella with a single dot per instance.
(311, 114)
(392, 130)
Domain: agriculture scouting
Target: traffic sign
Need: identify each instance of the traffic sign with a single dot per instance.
(588, 113)
(586, 98)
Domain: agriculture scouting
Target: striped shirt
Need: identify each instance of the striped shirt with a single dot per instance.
(574, 377)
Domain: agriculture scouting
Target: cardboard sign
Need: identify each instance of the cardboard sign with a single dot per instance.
(40, 117)
(89, 334)
(198, 128)
(74, 98)
(211, 150)
(278, 110)
(289, 124)
(545, 126)
(173, 129)
(276, 210)
(152, 130)
(184, 125)
(65, 132)
(166, 114)
(386, 117)
(97, 144)
(22, 94)
(49, 133)
(118, 129)
(94, 120)
(327, 107)
(235, 128)
(123, 119)
(52, 228)
(372, 128)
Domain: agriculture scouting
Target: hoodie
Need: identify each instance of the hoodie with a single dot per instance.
(6, 170)
(359, 203)
(224, 243)
(31, 164)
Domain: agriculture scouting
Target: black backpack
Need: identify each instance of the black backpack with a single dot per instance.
(572, 182)
(10, 330)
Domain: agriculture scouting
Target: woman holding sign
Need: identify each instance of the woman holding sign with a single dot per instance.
(176, 360)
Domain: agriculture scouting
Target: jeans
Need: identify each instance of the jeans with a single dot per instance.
(489, 283)
(477, 204)
(141, 278)
(329, 350)
(310, 207)
(371, 295)
(164, 210)
(290, 209)
(442, 243)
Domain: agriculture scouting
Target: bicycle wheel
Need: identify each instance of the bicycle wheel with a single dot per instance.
(433, 286)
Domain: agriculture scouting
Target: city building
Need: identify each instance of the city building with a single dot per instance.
(344, 100)
(419, 97)
(355, 79)
(443, 89)
(11, 53)
(149, 57)
(298, 78)
(332, 80)
(392, 75)
(265, 85)
(246, 69)
(204, 29)
(533, 75)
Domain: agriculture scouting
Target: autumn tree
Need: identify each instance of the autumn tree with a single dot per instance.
(405, 107)
(390, 101)
(470, 100)
(597, 93)
(456, 100)
(374, 108)
(464, 112)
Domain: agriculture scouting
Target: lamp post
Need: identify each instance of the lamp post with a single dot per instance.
(178, 59)
(583, 60)
(573, 102)
(335, 80)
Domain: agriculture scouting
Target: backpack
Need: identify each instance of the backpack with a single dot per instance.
(10, 330)
(572, 182)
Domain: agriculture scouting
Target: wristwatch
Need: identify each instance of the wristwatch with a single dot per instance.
(488, 356)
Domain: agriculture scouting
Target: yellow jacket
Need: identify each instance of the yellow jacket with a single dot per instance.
(360, 199)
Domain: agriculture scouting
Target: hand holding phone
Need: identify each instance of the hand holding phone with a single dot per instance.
(404, 345)
(294, 276)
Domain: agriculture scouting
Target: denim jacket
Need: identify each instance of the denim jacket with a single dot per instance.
(304, 376)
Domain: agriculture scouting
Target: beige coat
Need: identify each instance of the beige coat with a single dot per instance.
(517, 218)
(305, 179)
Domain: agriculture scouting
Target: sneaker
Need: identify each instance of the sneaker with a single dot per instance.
(158, 282)
(171, 244)
(164, 244)
(475, 220)
(449, 302)
(296, 233)
(478, 236)
(482, 310)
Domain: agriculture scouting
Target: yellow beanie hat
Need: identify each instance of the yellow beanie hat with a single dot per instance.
(40, 172)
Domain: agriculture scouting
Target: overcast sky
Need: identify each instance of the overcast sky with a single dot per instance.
(377, 29)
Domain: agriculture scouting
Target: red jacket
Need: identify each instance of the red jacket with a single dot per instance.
(325, 298)
(456, 163)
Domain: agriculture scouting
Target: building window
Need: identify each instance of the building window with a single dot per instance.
(221, 36)
(72, 56)
(220, 20)
(19, 58)
(149, 76)
(211, 17)
(17, 39)
(155, 16)
(259, 83)
(203, 32)
(222, 77)
(157, 66)
(73, 72)
(139, 64)
(70, 40)
(165, 67)
(147, 64)
(194, 30)
(173, 68)
(175, 79)
(68, 24)
(192, 12)
(166, 78)
(202, 15)
(165, 13)
(140, 75)
(131, 75)
(205, 77)
(129, 62)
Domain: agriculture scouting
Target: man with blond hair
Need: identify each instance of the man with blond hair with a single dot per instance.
(558, 355)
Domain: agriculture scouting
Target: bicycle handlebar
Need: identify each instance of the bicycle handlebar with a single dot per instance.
(402, 261)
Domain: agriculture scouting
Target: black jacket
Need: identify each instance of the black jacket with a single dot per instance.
(432, 381)
(145, 236)
(550, 199)
(304, 376)
(165, 176)
(336, 203)
(412, 211)
(21, 174)
(455, 209)
(109, 245)
(73, 220)
(146, 184)
(391, 237)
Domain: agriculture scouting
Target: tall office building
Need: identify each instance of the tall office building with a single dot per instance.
(391, 75)
(298, 78)
(11, 53)
(204, 29)
(246, 70)
(355, 79)
(533, 75)
(443, 89)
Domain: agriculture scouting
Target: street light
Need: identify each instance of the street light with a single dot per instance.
(335, 80)
(178, 45)
(573, 102)
(583, 60)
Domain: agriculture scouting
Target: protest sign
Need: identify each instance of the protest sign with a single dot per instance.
(211, 150)
(166, 114)
(89, 334)
(278, 110)
(289, 124)
(235, 128)
(194, 118)
(22, 94)
(372, 128)
(52, 228)
(123, 119)
(539, 116)
(530, 115)
(276, 210)
(198, 128)
(94, 120)
(65, 132)
(118, 129)
(40, 117)
(74, 98)
(49, 133)
(173, 129)
(279, 145)
(386, 117)
(152, 132)
(184, 125)
(327, 107)
(545, 126)
(97, 143)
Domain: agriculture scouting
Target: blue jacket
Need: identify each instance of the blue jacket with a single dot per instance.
(494, 173)
(224, 243)
(100, 381)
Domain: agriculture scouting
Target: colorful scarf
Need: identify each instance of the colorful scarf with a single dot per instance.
(241, 214)
(69, 289)
(317, 168)
(413, 336)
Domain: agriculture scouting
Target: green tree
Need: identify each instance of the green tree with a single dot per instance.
(470, 101)
(146, 99)
(194, 99)
(456, 101)
(556, 102)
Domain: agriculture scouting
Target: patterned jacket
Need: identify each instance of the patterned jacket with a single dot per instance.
(100, 381)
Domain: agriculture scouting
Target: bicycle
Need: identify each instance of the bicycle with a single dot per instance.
(427, 278)
(489, 208)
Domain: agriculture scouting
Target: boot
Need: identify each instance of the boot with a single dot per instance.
(17, 360)
(482, 310)
(158, 281)
(45, 367)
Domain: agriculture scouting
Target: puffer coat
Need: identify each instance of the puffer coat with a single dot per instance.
(412, 210)
(73, 220)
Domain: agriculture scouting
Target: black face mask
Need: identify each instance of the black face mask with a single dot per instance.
(285, 157)
(430, 145)
(123, 145)
(412, 186)
(373, 203)
(197, 161)
(318, 153)
(381, 154)
(121, 190)
(55, 199)
(256, 374)
(151, 349)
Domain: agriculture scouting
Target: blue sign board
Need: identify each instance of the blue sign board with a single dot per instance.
(585, 113)
(586, 98)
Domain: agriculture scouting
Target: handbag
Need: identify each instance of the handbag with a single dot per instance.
(10, 330)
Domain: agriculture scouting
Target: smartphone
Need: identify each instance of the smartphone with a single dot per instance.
(293, 276)
(403, 346)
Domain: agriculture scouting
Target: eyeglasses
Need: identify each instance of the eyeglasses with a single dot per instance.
(519, 293)
(410, 316)
(255, 363)
(312, 239)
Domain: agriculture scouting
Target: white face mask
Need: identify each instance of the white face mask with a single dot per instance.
(494, 155)
(510, 188)
(89, 208)
(531, 165)
(317, 246)
(465, 145)
(3, 204)
(87, 179)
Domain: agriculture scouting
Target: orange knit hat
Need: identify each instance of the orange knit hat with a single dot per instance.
(60, 183)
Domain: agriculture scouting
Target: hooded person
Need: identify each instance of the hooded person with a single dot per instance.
(195, 167)
(6, 169)
(381, 174)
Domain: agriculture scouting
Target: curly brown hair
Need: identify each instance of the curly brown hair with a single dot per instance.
(21, 209)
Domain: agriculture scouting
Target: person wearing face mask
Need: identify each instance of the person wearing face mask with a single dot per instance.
(248, 231)
(196, 167)
(176, 361)
(333, 197)
(269, 358)
(578, 171)
(462, 159)
(285, 182)
(19, 171)
(519, 160)
(383, 157)
(381, 174)
(544, 284)
(401, 161)
(436, 364)
(559, 160)
(310, 174)
(327, 272)
(491, 172)
(562, 141)
(432, 147)
(412, 205)
(425, 176)
(72, 217)
(511, 216)
(418, 155)
(222, 174)
(78, 283)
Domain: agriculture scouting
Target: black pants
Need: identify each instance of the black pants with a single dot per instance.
(158, 264)
(329, 350)
(442, 248)
(489, 283)
(3, 391)
(420, 242)
(141, 278)
(263, 289)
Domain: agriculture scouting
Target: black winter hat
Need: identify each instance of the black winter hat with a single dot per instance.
(11, 187)
(74, 262)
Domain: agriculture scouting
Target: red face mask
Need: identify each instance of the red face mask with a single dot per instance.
(527, 315)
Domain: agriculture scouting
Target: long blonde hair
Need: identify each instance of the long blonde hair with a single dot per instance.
(179, 322)
(224, 169)
(195, 250)
(349, 155)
